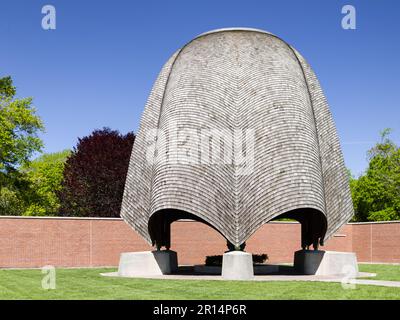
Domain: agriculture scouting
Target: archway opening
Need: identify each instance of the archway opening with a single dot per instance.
(313, 225)
(160, 225)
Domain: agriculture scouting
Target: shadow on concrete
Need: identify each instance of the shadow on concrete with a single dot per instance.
(270, 270)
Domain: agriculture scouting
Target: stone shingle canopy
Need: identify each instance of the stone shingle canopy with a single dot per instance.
(250, 83)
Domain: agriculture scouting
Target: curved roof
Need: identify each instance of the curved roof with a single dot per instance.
(231, 81)
(233, 29)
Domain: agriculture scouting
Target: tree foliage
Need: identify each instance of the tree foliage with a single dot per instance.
(19, 128)
(44, 176)
(376, 194)
(7, 90)
(95, 173)
(10, 202)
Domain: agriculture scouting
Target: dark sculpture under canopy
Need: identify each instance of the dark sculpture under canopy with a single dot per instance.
(238, 79)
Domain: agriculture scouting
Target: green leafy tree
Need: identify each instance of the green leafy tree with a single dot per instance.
(7, 89)
(10, 203)
(19, 128)
(44, 176)
(376, 194)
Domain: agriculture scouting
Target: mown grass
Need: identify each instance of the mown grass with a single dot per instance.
(383, 271)
(89, 284)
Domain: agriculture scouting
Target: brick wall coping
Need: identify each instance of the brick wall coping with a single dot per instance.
(182, 220)
(106, 218)
(59, 218)
(375, 222)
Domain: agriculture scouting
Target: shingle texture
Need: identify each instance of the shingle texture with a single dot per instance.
(237, 80)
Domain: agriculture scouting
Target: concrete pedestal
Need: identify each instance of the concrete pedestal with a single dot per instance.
(326, 263)
(261, 269)
(237, 265)
(147, 263)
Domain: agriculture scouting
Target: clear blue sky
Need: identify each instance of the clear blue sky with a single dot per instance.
(97, 68)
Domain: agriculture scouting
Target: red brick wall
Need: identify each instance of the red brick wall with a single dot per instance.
(377, 242)
(362, 241)
(35, 242)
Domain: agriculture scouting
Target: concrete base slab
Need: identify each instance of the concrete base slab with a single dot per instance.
(209, 270)
(147, 263)
(237, 265)
(216, 270)
(326, 263)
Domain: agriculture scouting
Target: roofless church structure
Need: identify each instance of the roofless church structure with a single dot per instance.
(237, 132)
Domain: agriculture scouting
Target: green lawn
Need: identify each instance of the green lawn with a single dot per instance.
(383, 271)
(88, 284)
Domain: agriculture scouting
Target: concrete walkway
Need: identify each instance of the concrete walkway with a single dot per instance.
(378, 283)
